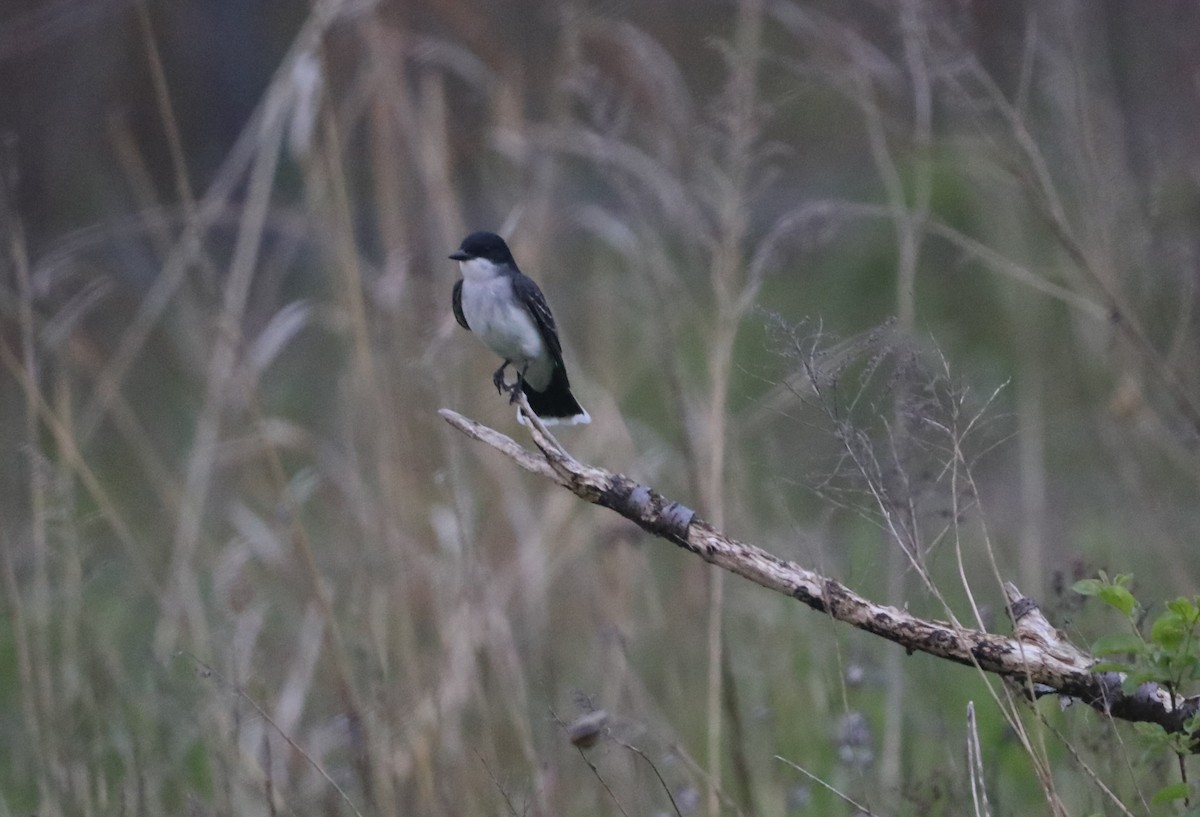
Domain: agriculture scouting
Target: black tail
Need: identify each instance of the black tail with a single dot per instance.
(556, 404)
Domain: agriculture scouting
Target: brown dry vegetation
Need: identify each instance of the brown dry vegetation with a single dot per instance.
(247, 569)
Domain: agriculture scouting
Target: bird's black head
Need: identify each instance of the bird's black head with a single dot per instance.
(488, 246)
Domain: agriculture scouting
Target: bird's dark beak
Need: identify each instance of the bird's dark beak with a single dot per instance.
(459, 255)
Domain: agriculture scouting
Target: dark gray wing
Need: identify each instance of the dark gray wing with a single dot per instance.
(530, 296)
(456, 305)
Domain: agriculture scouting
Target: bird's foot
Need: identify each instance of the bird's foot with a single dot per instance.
(498, 380)
(514, 389)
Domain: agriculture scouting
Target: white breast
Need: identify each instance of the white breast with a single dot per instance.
(505, 327)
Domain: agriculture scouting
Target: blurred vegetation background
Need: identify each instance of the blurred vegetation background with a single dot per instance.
(906, 292)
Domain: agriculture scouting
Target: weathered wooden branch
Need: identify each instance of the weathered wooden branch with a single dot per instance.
(1037, 656)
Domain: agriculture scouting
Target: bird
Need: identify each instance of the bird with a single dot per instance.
(506, 310)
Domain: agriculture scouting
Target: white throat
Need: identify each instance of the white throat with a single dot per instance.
(478, 269)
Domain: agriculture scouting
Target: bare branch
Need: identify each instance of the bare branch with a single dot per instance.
(1036, 656)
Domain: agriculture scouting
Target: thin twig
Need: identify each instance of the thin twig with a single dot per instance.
(507, 800)
(657, 774)
(821, 782)
(562, 724)
(262, 713)
(975, 765)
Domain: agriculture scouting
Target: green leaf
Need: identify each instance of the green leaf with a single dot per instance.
(1118, 597)
(1176, 791)
(1185, 608)
(1160, 664)
(1169, 631)
(1150, 731)
(1181, 666)
(1087, 587)
(1117, 643)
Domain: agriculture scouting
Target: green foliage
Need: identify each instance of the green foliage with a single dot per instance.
(1169, 655)
(1115, 592)
(1169, 794)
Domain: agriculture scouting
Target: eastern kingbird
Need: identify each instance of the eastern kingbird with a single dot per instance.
(508, 312)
